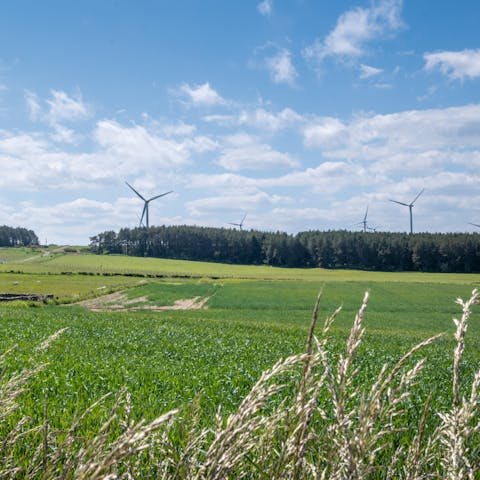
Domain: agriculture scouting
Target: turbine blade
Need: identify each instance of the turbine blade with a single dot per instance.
(421, 191)
(243, 219)
(400, 203)
(161, 195)
(144, 199)
(474, 224)
(365, 217)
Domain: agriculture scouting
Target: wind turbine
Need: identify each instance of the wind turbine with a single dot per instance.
(364, 222)
(410, 206)
(146, 203)
(239, 225)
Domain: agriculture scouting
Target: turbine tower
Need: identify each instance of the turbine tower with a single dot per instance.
(239, 225)
(146, 203)
(410, 206)
(364, 222)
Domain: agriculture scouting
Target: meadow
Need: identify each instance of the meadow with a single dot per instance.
(210, 357)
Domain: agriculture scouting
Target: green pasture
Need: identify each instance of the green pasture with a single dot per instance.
(255, 316)
(59, 261)
(18, 255)
(65, 288)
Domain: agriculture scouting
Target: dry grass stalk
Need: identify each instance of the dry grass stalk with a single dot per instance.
(460, 425)
(234, 440)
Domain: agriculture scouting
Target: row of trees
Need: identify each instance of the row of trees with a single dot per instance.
(432, 252)
(17, 237)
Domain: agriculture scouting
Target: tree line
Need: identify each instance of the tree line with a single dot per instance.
(385, 251)
(17, 237)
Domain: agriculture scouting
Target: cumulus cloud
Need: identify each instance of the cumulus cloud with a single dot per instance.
(277, 61)
(355, 29)
(281, 67)
(327, 178)
(244, 152)
(325, 132)
(33, 161)
(137, 144)
(201, 95)
(455, 65)
(265, 7)
(415, 141)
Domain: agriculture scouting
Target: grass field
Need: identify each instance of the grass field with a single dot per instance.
(255, 316)
(61, 262)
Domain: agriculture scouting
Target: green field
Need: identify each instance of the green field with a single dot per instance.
(60, 262)
(255, 316)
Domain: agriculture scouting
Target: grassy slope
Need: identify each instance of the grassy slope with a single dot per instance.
(119, 264)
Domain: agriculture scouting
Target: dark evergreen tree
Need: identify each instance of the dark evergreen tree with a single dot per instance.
(17, 237)
(428, 252)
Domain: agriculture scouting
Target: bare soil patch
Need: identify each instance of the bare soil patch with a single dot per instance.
(118, 301)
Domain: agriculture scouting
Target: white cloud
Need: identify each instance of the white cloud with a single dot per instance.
(202, 95)
(259, 119)
(429, 93)
(234, 202)
(366, 71)
(455, 65)
(383, 86)
(21, 144)
(63, 107)
(58, 109)
(33, 105)
(277, 61)
(180, 129)
(74, 221)
(325, 132)
(137, 144)
(326, 178)
(64, 135)
(412, 139)
(281, 68)
(200, 144)
(355, 29)
(221, 181)
(244, 152)
(265, 7)
(32, 161)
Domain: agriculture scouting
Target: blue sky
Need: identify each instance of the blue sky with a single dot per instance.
(300, 112)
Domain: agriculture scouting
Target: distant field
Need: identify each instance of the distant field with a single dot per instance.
(14, 255)
(124, 265)
(254, 316)
(64, 288)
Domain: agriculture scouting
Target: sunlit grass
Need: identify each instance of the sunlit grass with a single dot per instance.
(125, 265)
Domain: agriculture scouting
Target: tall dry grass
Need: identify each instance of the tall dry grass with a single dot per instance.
(308, 417)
